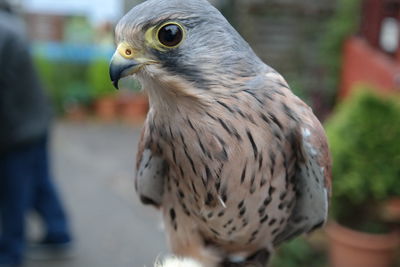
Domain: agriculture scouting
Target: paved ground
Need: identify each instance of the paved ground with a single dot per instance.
(93, 166)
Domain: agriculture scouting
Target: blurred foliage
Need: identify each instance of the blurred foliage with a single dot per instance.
(298, 252)
(99, 79)
(65, 82)
(364, 139)
(343, 24)
(76, 83)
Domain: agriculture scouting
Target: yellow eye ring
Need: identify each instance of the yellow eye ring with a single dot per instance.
(170, 35)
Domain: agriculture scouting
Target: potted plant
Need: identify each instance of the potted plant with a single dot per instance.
(364, 137)
(102, 91)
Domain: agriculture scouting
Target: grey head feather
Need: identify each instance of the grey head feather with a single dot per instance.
(213, 51)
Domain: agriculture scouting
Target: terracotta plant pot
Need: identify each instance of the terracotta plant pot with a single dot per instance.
(350, 248)
(105, 108)
(133, 108)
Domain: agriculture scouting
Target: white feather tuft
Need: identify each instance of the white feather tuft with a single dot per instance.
(178, 262)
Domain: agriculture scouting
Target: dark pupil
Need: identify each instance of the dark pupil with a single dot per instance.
(170, 35)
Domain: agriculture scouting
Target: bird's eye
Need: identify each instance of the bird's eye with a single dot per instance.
(170, 35)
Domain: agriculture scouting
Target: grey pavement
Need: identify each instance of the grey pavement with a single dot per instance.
(93, 166)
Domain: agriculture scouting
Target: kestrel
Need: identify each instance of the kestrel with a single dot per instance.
(235, 161)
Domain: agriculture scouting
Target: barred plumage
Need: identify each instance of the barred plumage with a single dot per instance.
(236, 162)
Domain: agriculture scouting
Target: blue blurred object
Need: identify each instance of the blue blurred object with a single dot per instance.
(67, 52)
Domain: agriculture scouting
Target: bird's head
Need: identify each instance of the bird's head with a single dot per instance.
(185, 42)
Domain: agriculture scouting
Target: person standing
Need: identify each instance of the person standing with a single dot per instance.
(25, 117)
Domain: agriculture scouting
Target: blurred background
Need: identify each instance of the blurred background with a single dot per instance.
(341, 56)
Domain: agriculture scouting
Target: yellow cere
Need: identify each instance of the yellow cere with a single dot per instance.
(126, 51)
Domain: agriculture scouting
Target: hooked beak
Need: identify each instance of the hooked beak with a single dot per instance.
(123, 63)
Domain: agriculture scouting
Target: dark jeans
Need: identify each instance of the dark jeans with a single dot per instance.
(25, 184)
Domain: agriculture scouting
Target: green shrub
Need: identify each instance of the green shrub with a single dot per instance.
(63, 80)
(298, 252)
(99, 78)
(364, 137)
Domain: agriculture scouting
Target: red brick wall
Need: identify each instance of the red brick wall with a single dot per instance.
(364, 64)
(45, 27)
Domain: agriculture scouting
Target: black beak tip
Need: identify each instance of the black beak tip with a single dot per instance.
(115, 75)
(115, 83)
